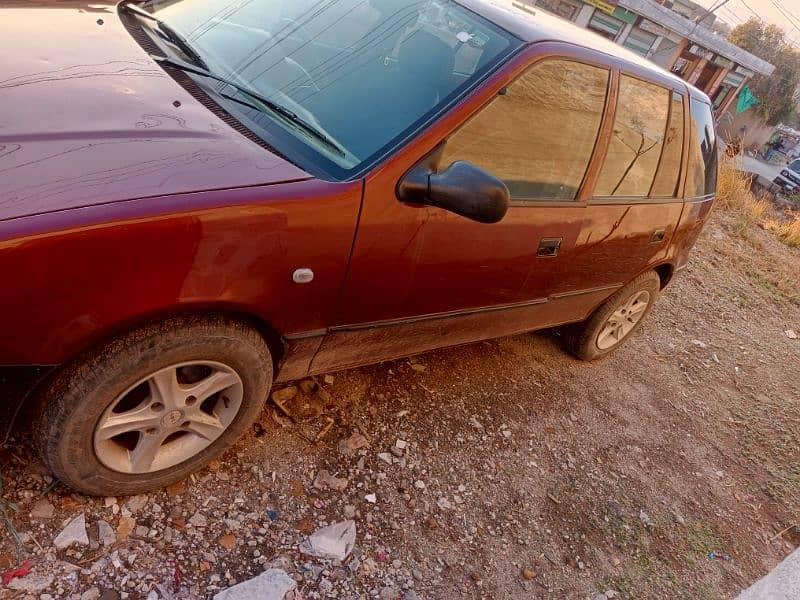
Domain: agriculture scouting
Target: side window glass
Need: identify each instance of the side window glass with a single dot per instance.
(538, 137)
(666, 182)
(636, 140)
(702, 176)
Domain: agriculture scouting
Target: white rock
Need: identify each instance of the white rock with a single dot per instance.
(334, 541)
(272, 584)
(401, 444)
(136, 503)
(93, 593)
(31, 583)
(198, 520)
(74, 533)
(371, 498)
(699, 344)
(444, 503)
(791, 334)
(419, 484)
(385, 457)
(105, 533)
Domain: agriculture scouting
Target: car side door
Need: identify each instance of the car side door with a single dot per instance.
(635, 204)
(421, 277)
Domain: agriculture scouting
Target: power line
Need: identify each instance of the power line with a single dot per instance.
(729, 14)
(747, 6)
(794, 16)
(786, 14)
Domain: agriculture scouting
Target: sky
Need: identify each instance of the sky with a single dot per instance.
(735, 12)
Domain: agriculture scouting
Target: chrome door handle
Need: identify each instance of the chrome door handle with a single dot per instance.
(658, 235)
(548, 247)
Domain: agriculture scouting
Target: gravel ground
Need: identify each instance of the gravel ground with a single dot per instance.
(502, 469)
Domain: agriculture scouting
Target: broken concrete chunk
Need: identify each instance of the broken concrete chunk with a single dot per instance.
(105, 533)
(325, 481)
(334, 542)
(272, 584)
(74, 533)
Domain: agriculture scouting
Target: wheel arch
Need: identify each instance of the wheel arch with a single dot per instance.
(665, 272)
(269, 333)
(274, 340)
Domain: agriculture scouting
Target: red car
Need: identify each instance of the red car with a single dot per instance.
(199, 199)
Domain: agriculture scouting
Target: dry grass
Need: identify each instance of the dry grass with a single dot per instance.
(735, 197)
(789, 232)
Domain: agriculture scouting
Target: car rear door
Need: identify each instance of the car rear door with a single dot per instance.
(636, 203)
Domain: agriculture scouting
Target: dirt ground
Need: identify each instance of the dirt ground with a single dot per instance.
(670, 469)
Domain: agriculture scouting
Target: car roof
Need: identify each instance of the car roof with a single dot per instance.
(533, 25)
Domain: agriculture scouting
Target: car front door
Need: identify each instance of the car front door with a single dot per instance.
(421, 277)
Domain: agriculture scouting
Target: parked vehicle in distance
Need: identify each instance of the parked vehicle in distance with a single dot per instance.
(789, 177)
(199, 199)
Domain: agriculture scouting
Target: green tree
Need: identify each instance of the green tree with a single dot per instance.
(776, 92)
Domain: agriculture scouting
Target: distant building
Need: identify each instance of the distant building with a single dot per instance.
(679, 35)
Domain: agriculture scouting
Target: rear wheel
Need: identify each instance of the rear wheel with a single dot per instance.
(616, 319)
(154, 405)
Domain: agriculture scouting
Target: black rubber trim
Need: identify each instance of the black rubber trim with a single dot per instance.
(188, 84)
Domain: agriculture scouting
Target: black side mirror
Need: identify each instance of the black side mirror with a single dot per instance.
(461, 188)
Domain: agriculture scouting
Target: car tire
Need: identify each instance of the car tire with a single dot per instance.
(614, 321)
(150, 407)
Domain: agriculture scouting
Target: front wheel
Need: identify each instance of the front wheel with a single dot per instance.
(150, 407)
(616, 319)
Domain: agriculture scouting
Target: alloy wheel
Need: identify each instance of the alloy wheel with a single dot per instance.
(623, 320)
(168, 417)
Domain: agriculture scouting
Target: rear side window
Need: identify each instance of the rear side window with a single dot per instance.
(538, 137)
(666, 182)
(636, 140)
(701, 179)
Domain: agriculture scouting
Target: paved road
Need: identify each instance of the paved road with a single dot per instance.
(766, 170)
(782, 583)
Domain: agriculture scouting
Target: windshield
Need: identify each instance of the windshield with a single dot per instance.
(360, 73)
(795, 166)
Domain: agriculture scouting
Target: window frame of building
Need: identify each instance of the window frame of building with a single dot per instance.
(637, 34)
(729, 84)
(601, 16)
(573, 7)
(451, 153)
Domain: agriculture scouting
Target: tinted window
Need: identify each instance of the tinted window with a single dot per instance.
(702, 176)
(362, 73)
(539, 136)
(795, 166)
(636, 140)
(666, 182)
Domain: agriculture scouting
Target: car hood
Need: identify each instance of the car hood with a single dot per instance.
(87, 117)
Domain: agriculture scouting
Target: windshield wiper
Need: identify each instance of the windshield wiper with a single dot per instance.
(273, 106)
(168, 32)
